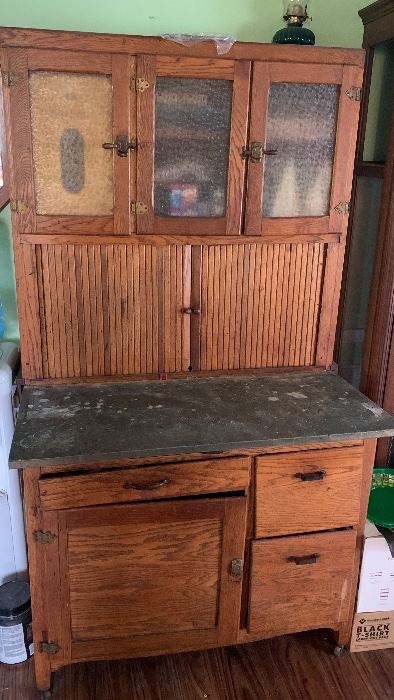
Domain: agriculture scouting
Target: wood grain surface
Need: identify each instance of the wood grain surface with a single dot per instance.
(296, 667)
(208, 476)
(289, 597)
(307, 506)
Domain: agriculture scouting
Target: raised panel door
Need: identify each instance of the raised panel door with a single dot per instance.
(153, 577)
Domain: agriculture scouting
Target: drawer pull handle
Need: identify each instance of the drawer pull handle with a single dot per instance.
(311, 476)
(147, 487)
(301, 561)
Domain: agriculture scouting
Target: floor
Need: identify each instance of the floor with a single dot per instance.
(296, 667)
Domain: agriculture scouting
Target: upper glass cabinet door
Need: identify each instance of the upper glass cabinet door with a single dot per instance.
(192, 122)
(298, 119)
(80, 140)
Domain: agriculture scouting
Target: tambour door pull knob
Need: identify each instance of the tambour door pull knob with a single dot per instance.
(122, 145)
(189, 310)
(311, 476)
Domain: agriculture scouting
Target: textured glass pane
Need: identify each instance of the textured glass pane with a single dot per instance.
(192, 146)
(301, 125)
(71, 119)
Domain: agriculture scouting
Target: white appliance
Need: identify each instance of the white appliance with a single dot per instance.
(13, 562)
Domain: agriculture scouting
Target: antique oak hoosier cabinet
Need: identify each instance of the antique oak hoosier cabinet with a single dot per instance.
(181, 216)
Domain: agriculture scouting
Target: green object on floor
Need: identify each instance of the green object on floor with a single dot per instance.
(381, 500)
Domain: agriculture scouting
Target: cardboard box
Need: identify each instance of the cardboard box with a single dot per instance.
(376, 586)
(373, 625)
(372, 631)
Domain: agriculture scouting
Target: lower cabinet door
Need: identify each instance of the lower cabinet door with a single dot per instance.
(301, 582)
(151, 578)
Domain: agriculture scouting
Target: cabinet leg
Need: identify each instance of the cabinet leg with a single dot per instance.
(342, 637)
(43, 672)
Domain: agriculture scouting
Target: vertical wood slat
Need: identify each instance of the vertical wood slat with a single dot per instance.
(122, 70)
(101, 310)
(146, 69)
(260, 305)
(238, 137)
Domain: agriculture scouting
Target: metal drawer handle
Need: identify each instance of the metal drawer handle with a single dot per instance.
(300, 561)
(311, 476)
(147, 487)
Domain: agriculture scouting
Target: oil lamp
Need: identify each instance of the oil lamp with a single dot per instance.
(295, 13)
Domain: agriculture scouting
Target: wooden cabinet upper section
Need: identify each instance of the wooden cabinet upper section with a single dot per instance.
(173, 210)
(111, 143)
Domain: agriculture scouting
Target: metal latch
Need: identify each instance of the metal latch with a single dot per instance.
(256, 151)
(138, 208)
(343, 208)
(43, 537)
(122, 145)
(18, 206)
(9, 79)
(48, 648)
(236, 568)
(354, 93)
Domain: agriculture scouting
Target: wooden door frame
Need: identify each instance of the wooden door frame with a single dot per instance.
(238, 72)
(231, 510)
(377, 371)
(18, 63)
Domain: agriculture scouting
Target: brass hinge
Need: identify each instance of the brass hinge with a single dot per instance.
(9, 79)
(48, 648)
(138, 208)
(236, 568)
(18, 206)
(343, 208)
(139, 84)
(43, 537)
(354, 93)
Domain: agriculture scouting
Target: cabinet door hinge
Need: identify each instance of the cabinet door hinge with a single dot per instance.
(43, 537)
(138, 208)
(354, 93)
(236, 568)
(9, 79)
(343, 208)
(139, 84)
(18, 206)
(48, 648)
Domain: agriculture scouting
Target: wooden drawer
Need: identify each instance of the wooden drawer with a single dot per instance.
(145, 483)
(301, 582)
(308, 491)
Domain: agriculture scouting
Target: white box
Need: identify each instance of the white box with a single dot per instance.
(376, 587)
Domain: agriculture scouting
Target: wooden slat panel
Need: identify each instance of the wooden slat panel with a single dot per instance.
(100, 309)
(260, 305)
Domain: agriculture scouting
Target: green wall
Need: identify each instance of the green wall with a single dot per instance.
(335, 23)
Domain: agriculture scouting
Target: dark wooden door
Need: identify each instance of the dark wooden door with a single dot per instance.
(150, 578)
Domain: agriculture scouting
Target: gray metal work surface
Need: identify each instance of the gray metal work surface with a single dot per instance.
(71, 424)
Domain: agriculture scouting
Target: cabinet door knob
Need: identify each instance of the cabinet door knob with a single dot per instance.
(122, 145)
(189, 310)
(311, 476)
(301, 561)
(147, 486)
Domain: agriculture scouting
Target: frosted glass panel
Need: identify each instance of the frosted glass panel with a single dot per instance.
(192, 146)
(301, 125)
(71, 119)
